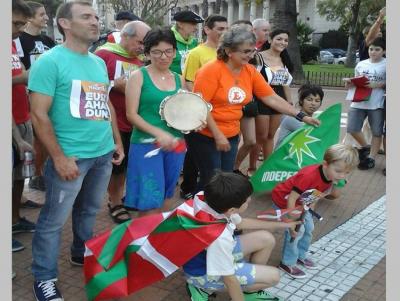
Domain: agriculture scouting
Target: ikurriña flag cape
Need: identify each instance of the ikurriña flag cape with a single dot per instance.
(142, 251)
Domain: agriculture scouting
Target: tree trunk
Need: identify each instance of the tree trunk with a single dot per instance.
(354, 32)
(217, 7)
(205, 9)
(285, 17)
(50, 25)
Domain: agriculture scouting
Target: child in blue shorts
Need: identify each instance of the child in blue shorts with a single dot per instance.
(221, 266)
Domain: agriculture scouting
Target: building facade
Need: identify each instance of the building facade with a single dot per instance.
(253, 9)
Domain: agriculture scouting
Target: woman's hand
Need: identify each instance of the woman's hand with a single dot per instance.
(202, 126)
(311, 121)
(166, 141)
(222, 143)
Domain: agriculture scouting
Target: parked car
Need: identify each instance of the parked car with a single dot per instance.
(325, 57)
(342, 60)
(337, 52)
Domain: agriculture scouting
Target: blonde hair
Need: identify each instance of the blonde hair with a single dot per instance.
(342, 152)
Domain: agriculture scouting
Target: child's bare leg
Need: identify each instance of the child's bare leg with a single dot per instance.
(266, 276)
(258, 245)
(359, 137)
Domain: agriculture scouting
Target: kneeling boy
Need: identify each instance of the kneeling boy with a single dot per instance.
(221, 265)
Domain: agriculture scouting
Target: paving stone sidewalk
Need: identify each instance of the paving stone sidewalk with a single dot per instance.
(364, 188)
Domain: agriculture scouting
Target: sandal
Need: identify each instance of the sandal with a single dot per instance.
(250, 172)
(260, 156)
(117, 212)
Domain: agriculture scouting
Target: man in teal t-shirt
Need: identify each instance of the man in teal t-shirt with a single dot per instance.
(185, 27)
(75, 121)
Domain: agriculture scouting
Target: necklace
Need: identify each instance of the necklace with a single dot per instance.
(164, 77)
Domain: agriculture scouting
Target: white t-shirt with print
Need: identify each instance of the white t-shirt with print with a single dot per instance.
(220, 260)
(375, 72)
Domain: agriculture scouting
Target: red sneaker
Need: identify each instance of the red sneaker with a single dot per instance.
(308, 264)
(292, 271)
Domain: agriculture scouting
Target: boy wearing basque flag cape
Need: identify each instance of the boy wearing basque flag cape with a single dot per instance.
(140, 252)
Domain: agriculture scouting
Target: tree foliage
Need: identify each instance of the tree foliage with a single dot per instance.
(334, 39)
(304, 32)
(353, 16)
(340, 10)
(150, 11)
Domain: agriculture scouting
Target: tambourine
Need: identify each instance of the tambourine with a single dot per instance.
(184, 111)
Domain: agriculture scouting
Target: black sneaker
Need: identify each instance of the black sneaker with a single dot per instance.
(76, 260)
(47, 291)
(367, 163)
(363, 152)
(17, 246)
(23, 225)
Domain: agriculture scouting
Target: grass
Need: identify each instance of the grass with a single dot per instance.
(327, 74)
(330, 68)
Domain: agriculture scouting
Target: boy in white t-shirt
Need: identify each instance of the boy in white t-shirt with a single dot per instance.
(374, 69)
(221, 265)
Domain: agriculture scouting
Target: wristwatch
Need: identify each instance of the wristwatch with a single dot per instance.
(300, 115)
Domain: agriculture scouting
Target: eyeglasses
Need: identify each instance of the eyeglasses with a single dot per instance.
(247, 51)
(158, 53)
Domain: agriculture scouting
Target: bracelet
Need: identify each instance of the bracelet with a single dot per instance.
(300, 115)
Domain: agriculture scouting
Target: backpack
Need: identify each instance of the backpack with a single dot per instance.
(101, 41)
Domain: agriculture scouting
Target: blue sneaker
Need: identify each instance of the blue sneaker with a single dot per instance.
(23, 225)
(17, 246)
(47, 291)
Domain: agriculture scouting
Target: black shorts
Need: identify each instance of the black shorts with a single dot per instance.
(266, 110)
(126, 141)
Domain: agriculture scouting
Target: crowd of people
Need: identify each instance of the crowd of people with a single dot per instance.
(91, 119)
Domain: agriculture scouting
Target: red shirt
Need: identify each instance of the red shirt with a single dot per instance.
(20, 102)
(117, 66)
(309, 177)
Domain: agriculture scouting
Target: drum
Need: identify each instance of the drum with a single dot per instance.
(184, 111)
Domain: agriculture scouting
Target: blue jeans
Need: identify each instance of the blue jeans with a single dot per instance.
(298, 248)
(84, 196)
(208, 159)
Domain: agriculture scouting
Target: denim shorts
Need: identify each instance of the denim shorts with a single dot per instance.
(356, 119)
(245, 272)
(149, 181)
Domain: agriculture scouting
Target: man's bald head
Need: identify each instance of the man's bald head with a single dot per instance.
(262, 29)
(132, 35)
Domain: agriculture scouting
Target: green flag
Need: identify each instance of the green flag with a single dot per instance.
(301, 148)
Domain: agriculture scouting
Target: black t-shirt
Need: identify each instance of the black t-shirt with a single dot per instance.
(30, 47)
(363, 51)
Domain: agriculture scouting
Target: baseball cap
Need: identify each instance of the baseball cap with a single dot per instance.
(126, 15)
(188, 16)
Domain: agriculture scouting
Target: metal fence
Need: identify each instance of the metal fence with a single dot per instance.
(323, 78)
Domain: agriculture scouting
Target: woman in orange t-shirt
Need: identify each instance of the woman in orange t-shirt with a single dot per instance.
(228, 84)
